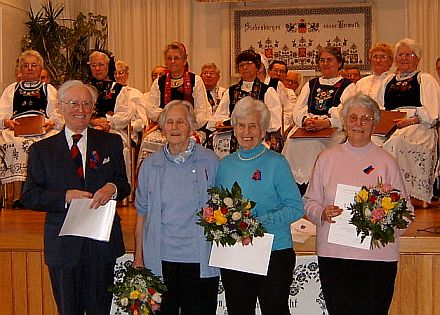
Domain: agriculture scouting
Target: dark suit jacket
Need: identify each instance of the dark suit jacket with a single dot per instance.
(51, 172)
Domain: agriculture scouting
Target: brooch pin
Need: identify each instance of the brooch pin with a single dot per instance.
(256, 175)
(94, 160)
(368, 169)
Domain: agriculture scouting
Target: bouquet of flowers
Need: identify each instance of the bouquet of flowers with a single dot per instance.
(137, 291)
(227, 219)
(377, 211)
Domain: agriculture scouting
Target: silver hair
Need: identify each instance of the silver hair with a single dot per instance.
(30, 52)
(191, 118)
(66, 86)
(361, 100)
(410, 43)
(97, 53)
(248, 106)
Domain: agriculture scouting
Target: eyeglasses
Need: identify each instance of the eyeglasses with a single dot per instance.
(98, 64)
(363, 119)
(120, 72)
(76, 104)
(278, 71)
(245, 64)
(327, 60)
(379, 57)
(209, 74)
(406, 55)
(30, 65)
(291, 81)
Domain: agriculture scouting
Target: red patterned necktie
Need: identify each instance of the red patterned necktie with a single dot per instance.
(77, 157)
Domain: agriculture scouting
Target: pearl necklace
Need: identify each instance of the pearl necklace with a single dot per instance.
(252, 157)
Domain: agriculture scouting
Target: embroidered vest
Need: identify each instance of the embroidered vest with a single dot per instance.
(29, 96)
(323, 97)
(258, 91)
(108, 91)
(402, 93)
(177, 93)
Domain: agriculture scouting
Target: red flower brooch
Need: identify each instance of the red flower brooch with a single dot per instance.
(256, 175)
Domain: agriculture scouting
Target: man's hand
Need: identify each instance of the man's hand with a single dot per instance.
(103, 195)
(77, 194)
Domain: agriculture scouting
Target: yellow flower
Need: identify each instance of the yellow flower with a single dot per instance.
(248, 206)
(362, 196)
(387, 204)
(219, 218)
(134, 295)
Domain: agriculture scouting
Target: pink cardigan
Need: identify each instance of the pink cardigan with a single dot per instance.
(345, 164)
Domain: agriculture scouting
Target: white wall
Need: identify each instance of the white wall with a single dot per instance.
(13, 14)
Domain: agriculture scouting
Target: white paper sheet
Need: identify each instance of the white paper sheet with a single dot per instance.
(342, 232)
(91, 223)
(302, 230)
(252, 258)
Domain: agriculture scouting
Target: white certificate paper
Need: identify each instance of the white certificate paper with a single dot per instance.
(342, 232)
(252, 258)
(91, 223)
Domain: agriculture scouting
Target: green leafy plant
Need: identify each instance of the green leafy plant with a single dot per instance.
(65, 43)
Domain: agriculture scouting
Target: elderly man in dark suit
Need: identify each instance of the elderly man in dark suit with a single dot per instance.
(81, 269)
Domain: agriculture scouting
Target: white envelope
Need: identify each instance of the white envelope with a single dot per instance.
(91, 223)
(252, 258)
(342, 232)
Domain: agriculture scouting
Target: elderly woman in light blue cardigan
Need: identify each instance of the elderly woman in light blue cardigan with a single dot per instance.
(172, 187)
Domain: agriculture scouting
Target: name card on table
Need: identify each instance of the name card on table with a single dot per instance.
(252, 258)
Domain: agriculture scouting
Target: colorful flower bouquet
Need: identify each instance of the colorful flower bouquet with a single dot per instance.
(377, 211)
(227, 219)
(137, 291)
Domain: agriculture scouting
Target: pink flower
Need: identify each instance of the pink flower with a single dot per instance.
(208, 212)
(246, 241)
(377, 215)
(386, 188)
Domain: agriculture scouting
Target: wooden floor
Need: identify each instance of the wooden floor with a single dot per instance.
(25, 286)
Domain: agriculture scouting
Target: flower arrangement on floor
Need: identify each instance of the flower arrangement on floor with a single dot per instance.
(377, 211)
(227, 219)
(137, 291)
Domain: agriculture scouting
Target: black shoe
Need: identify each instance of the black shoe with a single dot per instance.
(17, 205)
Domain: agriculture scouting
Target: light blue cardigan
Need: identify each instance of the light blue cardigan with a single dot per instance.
(148, 202)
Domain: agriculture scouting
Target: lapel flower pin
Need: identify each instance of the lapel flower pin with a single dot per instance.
(256, 175)
(94, 160)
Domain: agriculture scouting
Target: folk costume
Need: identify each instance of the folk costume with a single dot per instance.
(165, 89)
(319, 98)
(19, 98)
(415, 146)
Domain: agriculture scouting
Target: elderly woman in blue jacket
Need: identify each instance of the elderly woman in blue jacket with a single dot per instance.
(173, 185)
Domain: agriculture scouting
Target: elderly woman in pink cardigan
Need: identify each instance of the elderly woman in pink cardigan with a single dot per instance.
(354, 280)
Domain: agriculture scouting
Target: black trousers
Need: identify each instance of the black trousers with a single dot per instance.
(242, 289)
(187, 293)
(83, 288)
(357, 287)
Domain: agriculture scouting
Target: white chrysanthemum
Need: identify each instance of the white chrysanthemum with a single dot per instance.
(124, 301)
(236, 216)
(228, 202)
